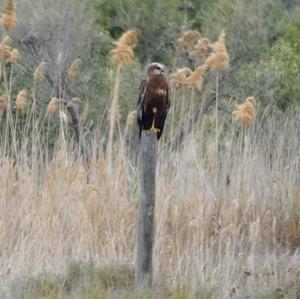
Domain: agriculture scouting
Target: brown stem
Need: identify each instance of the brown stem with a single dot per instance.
(112, 120)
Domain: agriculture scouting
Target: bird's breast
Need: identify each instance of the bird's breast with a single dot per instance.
(161, 92)
(158, 86)
(156, 94)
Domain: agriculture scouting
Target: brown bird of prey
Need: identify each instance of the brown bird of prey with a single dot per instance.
(154, 101)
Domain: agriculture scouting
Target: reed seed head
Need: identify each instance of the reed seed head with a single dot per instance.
(74, 70)
(245, 113)
(9, 6)
(251, 100)
(21, 100)
(219, 58)
(52, 106)
(189, 40)
(123, 55)
(128, 38)
(123, 52)
(180, 77)
(14, 56)
(200, 49)
(9, 16)
(3, 102)
(5, 47)
(39, 73)
(197, 77)
(185, 76)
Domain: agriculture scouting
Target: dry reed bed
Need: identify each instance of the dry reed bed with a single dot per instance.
(229, 233)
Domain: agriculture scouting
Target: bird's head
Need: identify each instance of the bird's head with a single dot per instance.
(156, 68)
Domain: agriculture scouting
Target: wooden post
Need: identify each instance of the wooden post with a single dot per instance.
(145, 227)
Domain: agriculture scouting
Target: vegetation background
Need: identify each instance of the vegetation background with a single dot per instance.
(228, 212)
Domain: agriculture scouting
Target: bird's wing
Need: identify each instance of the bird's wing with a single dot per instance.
(140, 103)
(168, 100)
(142, 90)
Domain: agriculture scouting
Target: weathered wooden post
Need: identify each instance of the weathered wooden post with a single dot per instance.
(146, 227)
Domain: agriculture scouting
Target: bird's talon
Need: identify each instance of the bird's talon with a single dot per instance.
(155, 130)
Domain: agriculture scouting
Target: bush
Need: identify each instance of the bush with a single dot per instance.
(273, 80)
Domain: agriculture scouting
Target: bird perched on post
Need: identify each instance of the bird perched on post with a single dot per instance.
(154, 100)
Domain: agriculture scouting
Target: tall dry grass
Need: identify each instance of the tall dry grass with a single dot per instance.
(230, 239)
(122, 54)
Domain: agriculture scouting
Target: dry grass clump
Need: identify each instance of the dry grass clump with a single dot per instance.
(52, 106)
(74, 69)
(21, 100)
(219, 58)
(243, 232)
(39, 73)
(5, 47)
(222, 236)
(188, 40)
(123, 53)
(245, 112)
(3, 102)
(9, 17)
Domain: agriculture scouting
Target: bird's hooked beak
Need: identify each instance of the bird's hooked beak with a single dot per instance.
(159, 71)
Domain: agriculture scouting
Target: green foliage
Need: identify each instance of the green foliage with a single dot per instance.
(285, 63)
(275, 79)
(250, 26)
(291, 31)
(193, 10)
(263, 44)
(86, 281)
(290, 4)
(72, 278)
(44, 286)
(90, 282)
(159, 22)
